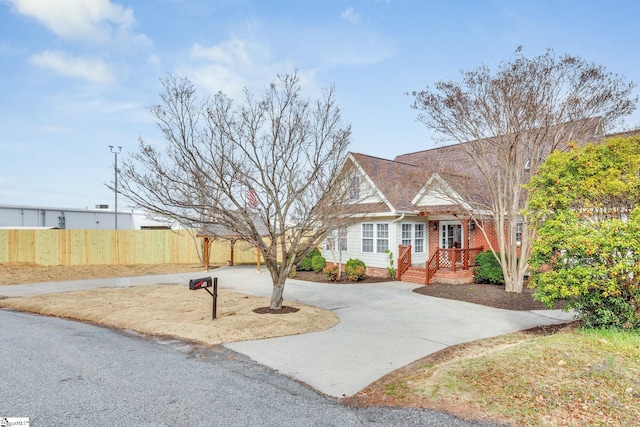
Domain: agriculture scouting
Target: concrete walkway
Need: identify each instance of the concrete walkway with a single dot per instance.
(383, 326)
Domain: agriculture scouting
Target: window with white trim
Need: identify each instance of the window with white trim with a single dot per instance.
(354, 187)
(413, 234)
(375, 237)
(336, 239)
(382, 238)
(367, 238)
(418, 238)
(518, 233)
(407, 234)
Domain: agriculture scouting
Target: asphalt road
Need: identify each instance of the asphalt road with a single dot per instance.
(59, 372)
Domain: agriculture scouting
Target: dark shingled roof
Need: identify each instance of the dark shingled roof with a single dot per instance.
(401, 179)
(399, 182)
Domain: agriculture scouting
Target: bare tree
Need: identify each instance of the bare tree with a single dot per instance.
(268, 170)
(507, 122)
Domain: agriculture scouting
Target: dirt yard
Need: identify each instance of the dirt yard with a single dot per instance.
(17, 274)
(161, 309)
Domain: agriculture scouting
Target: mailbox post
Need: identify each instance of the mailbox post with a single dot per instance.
(205, 283)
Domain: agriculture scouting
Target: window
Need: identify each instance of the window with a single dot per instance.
(413, 234)
(375, 237)
(407, 234)
(419, 238)
(518, 233)
(382, 237)
(367, 238)
(354, 187)
(336, 240)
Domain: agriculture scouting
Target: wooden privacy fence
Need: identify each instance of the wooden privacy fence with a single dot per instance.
(87, 247)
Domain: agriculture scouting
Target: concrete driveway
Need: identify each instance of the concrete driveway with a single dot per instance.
(383, 326)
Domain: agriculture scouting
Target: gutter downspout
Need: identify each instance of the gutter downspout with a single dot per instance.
(394, 229)
(394, 237)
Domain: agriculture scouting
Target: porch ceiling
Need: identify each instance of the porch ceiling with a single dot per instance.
(453, 210)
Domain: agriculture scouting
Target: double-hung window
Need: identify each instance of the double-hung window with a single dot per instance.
(518, 233)
(418, 238)
(375, 237)
(382, 237)
(407, 234)
(413, 234)
(367, 238)
(336, 240)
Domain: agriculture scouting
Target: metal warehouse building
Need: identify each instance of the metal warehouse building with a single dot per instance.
(69, 218)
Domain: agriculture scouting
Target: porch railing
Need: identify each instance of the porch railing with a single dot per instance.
(452, 260)
(404, 260)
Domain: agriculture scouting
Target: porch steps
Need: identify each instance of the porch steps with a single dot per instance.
(415, 275)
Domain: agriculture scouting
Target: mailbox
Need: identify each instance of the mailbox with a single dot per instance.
(205, 282)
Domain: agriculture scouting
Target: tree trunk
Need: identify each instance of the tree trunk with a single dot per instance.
(513, 277)
(276, 295)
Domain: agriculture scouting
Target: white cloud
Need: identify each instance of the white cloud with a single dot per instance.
(235, 64)
(98, 21)
(154, 60)
(233, 53)
(93, 70)
(350, 15)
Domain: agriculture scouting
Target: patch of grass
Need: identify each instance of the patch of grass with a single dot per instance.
(398, 389)
(581, 377)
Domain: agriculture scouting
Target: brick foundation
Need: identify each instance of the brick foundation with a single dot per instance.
(460, 277)
(370, 271)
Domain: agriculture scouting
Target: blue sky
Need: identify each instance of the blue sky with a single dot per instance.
(77, 75)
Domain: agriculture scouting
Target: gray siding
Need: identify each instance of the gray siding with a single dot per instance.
(25, 216)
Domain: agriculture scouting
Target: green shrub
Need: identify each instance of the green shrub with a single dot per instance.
(354, 263)
(599, 300)
(355, 274)
(306, 263)
(331, 271)
(391, 270)
(488, 269)
(354, 270)
(318, 263)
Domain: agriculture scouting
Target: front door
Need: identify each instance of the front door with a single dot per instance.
(451, 234)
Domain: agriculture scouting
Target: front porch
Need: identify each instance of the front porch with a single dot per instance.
(452, 266)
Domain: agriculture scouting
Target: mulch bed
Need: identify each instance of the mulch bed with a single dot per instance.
(483, 294)
(284, 310)
(312, 276)
(489, 295)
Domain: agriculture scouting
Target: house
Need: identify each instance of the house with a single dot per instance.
(414, 212)
(403, 215)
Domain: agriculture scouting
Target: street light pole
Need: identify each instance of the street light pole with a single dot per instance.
(115, 170)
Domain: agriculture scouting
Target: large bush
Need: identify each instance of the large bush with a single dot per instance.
(586, 203)
(593, 266)
(318, 263)
(354, 270)
(306, 263)
(488, 269)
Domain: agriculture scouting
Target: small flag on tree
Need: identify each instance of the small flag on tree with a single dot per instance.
(252, 199)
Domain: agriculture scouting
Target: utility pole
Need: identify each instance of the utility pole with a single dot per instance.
(115, 170)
